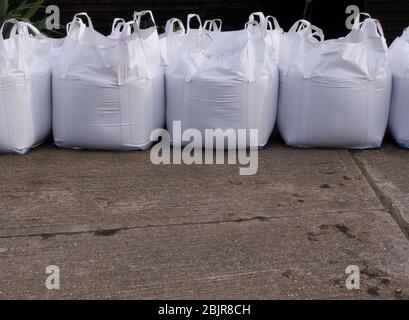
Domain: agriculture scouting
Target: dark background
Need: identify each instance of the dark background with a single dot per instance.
(327, 14)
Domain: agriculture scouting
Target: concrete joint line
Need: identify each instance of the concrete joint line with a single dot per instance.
(111, 232)
(115, 230)
(387, 202)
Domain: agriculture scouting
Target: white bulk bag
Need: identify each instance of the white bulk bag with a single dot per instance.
(334, 93)
(223, 80)
(399, 114)
(25, 88)
(108, 92)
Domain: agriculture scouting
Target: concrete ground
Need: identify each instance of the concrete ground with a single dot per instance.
(119, 227)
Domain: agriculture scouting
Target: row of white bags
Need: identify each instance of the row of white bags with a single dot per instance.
(109, 92)
(104, 93)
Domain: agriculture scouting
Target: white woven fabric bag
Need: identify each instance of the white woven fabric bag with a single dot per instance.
(108, 92)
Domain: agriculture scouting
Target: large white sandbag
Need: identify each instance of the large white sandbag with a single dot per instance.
(25, 88)
(334, 93)
(224, 80)
(108, 92)
(399, 114)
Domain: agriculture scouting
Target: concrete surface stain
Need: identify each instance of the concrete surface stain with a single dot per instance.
(105, 233)
(47, 236)
(325, 186)
(288, 274)
(312, 237)
(373, 272)
(345, 230)
(373, 291)
(341, 228)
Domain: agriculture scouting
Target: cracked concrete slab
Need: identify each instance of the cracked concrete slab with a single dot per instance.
(119, 227)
